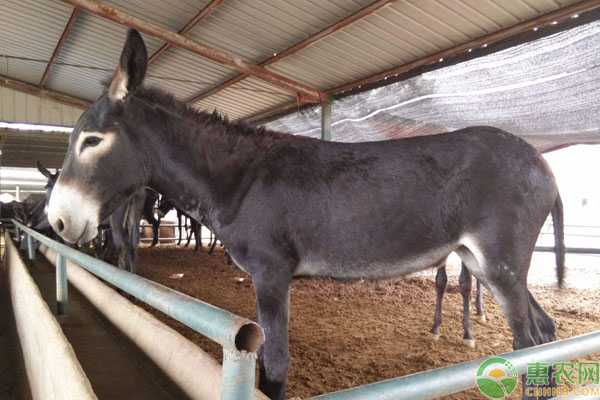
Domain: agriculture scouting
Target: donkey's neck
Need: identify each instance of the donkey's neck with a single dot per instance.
(202, 165)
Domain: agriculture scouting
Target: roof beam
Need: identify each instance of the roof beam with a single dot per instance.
(193, 46)
(43, 93)
(59, 46)
(357, 16)
(545, 19)
(205, 12)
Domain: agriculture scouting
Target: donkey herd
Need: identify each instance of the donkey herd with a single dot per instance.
(288, 206)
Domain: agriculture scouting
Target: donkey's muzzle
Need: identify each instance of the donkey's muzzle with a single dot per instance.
(73, 215)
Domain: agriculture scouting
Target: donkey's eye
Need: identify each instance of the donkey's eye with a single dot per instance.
(91, 141)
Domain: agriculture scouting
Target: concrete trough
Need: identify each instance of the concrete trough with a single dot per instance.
(195, 372)
(52, 369)
(49, 361)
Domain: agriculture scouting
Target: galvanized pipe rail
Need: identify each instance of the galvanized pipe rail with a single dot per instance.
(456, 378)
(239, 337)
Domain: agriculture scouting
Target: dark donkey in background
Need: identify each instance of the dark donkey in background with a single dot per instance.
(288, 206)
(196, 228)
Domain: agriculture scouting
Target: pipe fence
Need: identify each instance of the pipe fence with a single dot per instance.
(236, 334)
(239, 337)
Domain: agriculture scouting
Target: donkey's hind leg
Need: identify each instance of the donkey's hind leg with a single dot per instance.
(479, 304)
(545, 324)
(465, 282)
(528, 322)
(441, 281)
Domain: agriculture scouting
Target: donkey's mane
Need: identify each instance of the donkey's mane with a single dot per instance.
(154, 95)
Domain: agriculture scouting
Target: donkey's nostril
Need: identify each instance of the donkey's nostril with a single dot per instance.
(60, 225)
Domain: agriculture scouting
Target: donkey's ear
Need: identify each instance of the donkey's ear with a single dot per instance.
(43, 169)
(131, 69)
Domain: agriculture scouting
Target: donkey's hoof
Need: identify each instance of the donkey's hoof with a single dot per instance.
(481, 319)
(434, 337)
(470, 343)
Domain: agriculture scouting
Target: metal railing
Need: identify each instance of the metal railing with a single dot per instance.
(573, 233)
(238, 367)
(456, 378)
(239, 337)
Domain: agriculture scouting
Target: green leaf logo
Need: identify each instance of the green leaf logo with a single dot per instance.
(497, 378)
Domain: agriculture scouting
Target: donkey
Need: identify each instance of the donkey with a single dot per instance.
(287, 206)
(196, 227)
(37, 214)
(123, 223)
(465, 283)
(148, 213)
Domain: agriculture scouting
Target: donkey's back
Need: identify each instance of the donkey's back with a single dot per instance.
(382, 209)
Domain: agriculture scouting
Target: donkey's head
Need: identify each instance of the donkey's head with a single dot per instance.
(103, 166)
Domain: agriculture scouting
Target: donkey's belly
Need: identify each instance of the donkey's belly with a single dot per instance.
(347, 267)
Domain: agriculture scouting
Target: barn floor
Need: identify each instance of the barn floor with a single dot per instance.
(344, 334)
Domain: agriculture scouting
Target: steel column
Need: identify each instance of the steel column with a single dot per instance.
(62, 292)
(31, 249)
(237, 381)
(326, 119)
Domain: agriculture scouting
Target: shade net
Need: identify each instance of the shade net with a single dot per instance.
(546, 91)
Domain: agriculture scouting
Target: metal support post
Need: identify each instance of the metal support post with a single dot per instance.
(62, 294)
(326, 119)
(237, 382)
(31, 248)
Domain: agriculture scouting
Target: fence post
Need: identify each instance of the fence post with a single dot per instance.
(237, 381)
(31, 249)
(62, 294)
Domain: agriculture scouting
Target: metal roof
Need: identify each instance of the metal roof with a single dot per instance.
(387, 37)
(399, 33)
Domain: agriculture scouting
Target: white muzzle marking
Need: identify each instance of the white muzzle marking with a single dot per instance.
(73, 215)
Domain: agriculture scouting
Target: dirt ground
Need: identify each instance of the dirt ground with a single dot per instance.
(344, 334)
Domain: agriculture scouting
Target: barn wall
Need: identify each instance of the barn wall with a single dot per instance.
(21, 107)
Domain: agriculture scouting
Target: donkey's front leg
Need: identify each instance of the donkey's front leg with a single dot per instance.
(273, 307)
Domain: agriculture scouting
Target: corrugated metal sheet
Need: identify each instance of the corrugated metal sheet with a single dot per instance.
(197, 73)
(92, 42)
(30, 28)
(170, 14)
(253, 30)
(403, 32)
(246, 98)
(20, 107)
(256, 29)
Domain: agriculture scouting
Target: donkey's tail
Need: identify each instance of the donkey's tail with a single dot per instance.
(559, 238)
